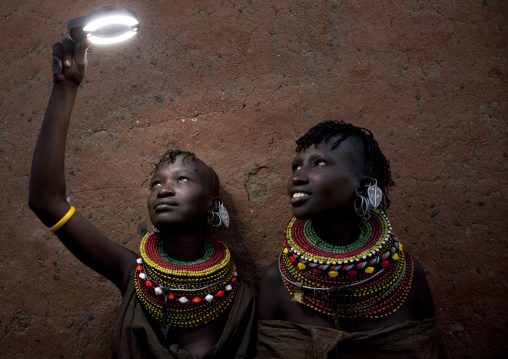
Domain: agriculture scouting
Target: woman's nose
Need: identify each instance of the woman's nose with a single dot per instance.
(166, 191)
(300, 178)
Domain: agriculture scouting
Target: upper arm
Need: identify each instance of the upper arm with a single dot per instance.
(269, 294)
(423, 303)
(98, 252)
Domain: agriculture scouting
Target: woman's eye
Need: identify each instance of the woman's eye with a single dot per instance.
(155, 184)
(296, 167)
(320, 163)
(183, 179)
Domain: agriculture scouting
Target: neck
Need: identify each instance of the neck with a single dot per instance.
(183, 245)
(339, 228)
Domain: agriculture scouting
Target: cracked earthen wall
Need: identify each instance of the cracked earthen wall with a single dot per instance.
(237, 82)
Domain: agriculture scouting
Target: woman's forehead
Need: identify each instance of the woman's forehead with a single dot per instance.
(338, 143)
(186, 164)
(178, 165)
(323, 147)
(350, 151)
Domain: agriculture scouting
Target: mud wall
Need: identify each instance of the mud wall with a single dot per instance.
(237, 82)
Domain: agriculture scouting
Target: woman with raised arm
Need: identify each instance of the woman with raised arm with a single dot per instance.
(182, 297)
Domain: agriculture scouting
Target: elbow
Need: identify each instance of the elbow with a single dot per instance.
(44, 210)
(35, 200)
(36, 205)
(39, 204)
(45, 206)
(33, 203)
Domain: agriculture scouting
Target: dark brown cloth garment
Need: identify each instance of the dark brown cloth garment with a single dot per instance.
(281, 339)
(134, 337)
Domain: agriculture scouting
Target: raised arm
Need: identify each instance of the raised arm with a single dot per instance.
(47, 194)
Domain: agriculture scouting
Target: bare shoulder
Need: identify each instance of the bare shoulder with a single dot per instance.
(269, 293)
(271, 274)
(421, 296)
(419, 276)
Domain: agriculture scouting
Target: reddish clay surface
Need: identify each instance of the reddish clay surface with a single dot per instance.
(237, 82)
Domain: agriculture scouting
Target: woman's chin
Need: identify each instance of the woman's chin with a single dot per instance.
(300, 214)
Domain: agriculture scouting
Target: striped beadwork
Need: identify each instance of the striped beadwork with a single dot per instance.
(372, 276)
(184, 295)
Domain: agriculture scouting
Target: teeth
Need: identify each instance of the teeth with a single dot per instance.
(299, 195)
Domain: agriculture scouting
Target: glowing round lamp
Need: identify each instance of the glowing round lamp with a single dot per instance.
(108, 25)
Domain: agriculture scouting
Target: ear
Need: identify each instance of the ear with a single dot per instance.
(214, 206)
(365, 181)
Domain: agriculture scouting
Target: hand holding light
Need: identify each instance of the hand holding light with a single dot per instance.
(73, 56)
(107, 25)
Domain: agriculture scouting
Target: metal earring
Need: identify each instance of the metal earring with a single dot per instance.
(216, 225)
(362, 205)
(211, 217)
(155, 230)
(223, 214)
(375, 194)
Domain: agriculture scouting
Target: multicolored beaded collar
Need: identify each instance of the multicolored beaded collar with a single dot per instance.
(372, 276)
(184, 295)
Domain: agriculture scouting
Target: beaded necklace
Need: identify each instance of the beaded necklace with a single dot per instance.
(372, 276)
(184, 295)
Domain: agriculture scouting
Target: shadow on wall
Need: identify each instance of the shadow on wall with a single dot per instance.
(234, 237)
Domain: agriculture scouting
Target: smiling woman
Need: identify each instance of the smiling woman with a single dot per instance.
(323, 180)
(181, 294)
(343, 284)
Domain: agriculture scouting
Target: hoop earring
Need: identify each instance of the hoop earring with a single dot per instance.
(210, 217)
(155, 230)
(222, 214)
(362, 205)
(216, 225)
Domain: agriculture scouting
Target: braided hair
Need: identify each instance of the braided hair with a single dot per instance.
(374, 160)
(170, 157)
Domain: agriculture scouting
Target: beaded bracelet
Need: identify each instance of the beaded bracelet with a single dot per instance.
(64, 220)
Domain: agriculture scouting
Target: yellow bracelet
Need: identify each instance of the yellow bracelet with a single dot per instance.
(64, 220)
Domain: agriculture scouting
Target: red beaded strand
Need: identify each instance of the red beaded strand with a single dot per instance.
(187, 295)
(375, 293)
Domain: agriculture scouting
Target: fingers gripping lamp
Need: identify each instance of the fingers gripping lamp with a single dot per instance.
(108, 25)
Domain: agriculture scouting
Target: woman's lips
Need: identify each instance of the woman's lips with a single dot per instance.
(299, 197)
(165, 205)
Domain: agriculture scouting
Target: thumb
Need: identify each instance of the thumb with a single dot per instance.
(81, 48)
